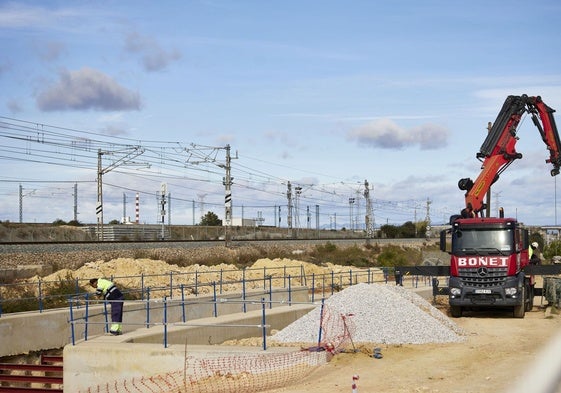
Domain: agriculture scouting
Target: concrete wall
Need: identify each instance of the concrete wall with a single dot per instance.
(116, 359)
(21, 333)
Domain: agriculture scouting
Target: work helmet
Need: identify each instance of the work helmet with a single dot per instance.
(535, 244)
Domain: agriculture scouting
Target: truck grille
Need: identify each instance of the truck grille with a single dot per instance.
(471, 277)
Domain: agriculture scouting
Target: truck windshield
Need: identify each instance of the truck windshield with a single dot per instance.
(483, 241)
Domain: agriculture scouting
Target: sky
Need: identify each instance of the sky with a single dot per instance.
(311, 99)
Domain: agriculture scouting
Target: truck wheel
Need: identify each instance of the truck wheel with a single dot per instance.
(455, 311)
(520, 310)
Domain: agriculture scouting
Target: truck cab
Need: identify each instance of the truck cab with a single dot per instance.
(487, 256)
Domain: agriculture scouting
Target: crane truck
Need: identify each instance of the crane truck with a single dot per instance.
(489, 256)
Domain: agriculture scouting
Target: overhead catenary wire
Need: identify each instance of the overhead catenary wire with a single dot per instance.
(187, 167)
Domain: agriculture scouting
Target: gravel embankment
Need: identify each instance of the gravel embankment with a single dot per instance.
(375, 313)
(73, 256)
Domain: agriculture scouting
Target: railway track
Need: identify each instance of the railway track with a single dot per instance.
(66, 246)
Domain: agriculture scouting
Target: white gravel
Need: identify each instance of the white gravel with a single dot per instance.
(374, 313)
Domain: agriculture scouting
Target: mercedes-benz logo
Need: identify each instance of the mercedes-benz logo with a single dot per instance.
(482, 271)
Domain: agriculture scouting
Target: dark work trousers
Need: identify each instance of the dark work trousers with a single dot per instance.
(116, 300)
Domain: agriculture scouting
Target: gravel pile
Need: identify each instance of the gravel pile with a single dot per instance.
(377, 313)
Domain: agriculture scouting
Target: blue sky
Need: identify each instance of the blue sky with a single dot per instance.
(321, 94)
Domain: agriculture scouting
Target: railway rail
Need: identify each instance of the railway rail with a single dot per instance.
(62, 246)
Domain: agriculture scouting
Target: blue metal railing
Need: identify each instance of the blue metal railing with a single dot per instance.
(35, 296)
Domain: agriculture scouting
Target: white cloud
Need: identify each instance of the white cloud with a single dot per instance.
(386, 134)
(153, 56)
(87, 89)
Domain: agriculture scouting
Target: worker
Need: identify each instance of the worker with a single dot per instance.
(112, 294)
(534, 254)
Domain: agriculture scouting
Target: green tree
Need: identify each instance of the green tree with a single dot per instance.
(408, 230)
(389, 231)
(552, 249)
(211, 220)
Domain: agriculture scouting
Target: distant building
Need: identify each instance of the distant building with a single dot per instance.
(242, 222)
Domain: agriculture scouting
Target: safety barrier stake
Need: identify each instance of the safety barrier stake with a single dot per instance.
(355, 384)
(263, 323)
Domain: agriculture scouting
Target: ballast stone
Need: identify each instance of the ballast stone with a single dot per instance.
(377, 313)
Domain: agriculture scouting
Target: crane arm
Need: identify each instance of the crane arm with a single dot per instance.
(498, 150)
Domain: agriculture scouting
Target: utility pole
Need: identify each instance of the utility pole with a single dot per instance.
(130, 154)
(201, 205)
(351, 203)
(298, 190)
(369, 217)
(289, 218)
(163, 192)
(228, 180)
(124, 220)
(317, 221)
(197, 152)
(21, 195)
(427, 219)
(169, 208)
(76, 202)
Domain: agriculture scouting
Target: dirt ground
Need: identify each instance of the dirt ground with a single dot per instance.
(497, 350)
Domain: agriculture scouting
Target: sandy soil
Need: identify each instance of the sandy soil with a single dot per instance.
(497, 350)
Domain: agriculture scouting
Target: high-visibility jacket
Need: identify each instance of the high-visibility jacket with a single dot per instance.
(106, 288)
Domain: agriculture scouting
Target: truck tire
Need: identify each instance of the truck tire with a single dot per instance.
(455, 311)
(520, 310)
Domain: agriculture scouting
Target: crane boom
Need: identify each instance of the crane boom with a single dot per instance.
(498, 150)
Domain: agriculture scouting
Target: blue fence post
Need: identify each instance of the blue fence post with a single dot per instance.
(264, 277)
(289, 291)
(171, 284)
(243, 291)
(184, 318)
(72, 323)
(270, 291)
(142, 286)
(147, 308)
(86, 317)
(221, 274)
(263, 324)
(40, 298)
(350, 278)
(313, 286)
(77, 290)
(106, 318)
(214, 299)
(321, 320)
(165, 322)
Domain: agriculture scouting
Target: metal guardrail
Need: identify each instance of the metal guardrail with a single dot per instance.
(318, 286)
